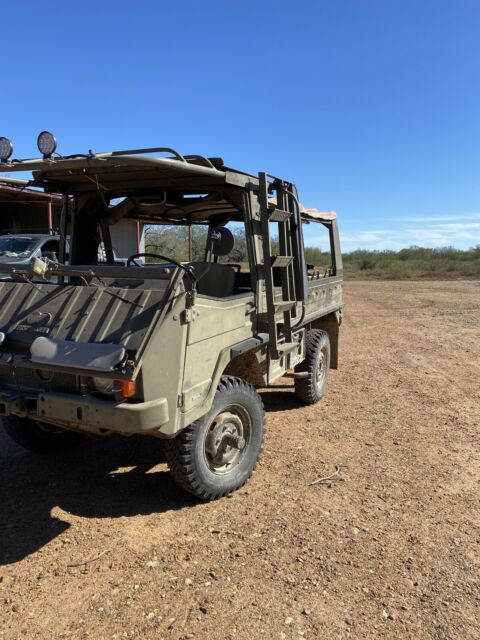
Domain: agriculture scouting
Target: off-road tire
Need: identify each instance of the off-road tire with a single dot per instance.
(39, 437)
(187, 454)
(311, 388)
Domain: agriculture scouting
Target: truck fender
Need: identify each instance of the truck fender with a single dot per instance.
(331, 324)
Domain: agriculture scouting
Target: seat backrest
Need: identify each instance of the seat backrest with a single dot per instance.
(214, 279)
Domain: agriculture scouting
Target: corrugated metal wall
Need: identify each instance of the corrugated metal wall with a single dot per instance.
(128, 237)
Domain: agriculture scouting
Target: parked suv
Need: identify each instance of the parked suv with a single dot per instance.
(19, 249)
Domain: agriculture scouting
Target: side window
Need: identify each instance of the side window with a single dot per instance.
(318, 250)
(238, 258)
(179, 242)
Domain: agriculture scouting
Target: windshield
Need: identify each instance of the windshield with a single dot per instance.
(13, 247)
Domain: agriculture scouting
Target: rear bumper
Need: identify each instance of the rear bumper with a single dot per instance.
(92, 414)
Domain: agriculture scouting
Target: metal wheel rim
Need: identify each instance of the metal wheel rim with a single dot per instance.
(320, 368)
(219, 457)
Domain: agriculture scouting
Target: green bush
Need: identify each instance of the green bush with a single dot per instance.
(413, 262)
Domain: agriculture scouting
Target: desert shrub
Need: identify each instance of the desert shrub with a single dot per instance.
(410, 262)
(413, 262)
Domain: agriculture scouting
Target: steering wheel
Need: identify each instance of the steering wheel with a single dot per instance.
(133, 259)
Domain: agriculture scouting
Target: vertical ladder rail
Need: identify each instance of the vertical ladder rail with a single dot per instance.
(267, 265)
(280, 334)
(284, 243)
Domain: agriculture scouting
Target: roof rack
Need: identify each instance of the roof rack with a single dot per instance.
(135, 152)
(195, 159)
(75, 170)
(16, 182)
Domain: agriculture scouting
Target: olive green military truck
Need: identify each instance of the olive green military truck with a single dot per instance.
(156, 345)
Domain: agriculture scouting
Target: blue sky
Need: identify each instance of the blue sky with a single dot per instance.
(372, 107)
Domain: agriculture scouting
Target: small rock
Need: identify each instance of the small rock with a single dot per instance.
(188, 582)
(152, 563)
(288, 620)
(355, 530)
(306, 612)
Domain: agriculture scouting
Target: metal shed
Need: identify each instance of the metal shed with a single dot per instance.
(25, 210)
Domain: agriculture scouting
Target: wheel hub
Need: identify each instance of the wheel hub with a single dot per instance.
(320, 367)
(224, 441)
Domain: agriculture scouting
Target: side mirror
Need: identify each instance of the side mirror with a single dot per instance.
(221, 241)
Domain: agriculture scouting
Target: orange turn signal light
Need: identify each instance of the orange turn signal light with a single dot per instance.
(127, 388)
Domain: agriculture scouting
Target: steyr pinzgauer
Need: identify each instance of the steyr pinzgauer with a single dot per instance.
(154, 345)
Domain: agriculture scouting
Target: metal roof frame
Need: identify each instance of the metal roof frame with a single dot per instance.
(109, 170)
(131, 169)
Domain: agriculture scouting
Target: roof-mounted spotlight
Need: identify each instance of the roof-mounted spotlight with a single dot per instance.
(6, 149)
(46, 143)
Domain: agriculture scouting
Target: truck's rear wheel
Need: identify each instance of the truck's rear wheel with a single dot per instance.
(311, 388)
(38, 436)
(218, 453)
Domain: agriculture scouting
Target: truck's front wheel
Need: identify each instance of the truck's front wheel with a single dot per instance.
(218, 453)
(38, 436)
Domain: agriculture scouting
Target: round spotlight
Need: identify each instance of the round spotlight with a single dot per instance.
(6, 149)
(46, 143)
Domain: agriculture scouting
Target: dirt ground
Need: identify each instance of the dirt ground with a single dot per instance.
(388, 549)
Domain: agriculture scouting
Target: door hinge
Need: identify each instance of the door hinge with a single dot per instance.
(187, 316)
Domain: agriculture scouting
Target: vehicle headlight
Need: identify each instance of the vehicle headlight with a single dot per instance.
(104, 385)
(119, 388)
